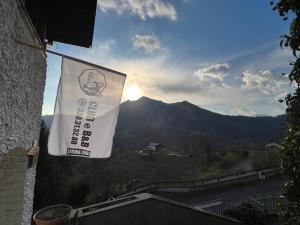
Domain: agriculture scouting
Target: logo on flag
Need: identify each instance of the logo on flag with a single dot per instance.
(92, 82)
(85, 120)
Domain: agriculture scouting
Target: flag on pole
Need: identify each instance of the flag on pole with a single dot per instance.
(86, 110)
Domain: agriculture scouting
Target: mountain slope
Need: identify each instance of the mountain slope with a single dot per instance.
(183, 125)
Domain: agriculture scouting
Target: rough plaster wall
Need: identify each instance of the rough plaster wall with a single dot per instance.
(28, 194)
(22, 81)
(12, 180)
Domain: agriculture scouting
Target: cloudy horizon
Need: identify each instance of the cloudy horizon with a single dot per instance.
(176, 51)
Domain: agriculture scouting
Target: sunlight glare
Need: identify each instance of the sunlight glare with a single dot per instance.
(133, 92)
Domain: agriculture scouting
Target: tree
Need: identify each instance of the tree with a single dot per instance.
(290, 154)
(265, 159)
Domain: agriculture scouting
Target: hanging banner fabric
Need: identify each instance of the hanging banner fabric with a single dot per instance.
(86, 110)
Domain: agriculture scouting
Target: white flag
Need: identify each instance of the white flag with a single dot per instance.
(86, 110)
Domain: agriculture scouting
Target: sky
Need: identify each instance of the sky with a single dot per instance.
(220, 55)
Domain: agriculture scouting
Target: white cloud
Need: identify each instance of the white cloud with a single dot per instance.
(103, 48)
(141, 8)
(159, 77)
(242, 111)
(148, 43)
(280, 96)
(47, 109)
(264, 80)
(212, 75)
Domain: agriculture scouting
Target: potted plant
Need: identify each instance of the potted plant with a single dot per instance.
(53, 215)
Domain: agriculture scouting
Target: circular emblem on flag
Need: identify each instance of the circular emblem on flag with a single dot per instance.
(82, 102)
(92, 82)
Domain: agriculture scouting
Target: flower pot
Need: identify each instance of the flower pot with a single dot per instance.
(53, 215)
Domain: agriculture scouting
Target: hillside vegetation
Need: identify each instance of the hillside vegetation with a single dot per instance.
(196, 143)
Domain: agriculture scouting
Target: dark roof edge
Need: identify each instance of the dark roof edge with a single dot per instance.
(40, 42)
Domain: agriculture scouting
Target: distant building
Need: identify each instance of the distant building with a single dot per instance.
(152, 148)
(273, 146)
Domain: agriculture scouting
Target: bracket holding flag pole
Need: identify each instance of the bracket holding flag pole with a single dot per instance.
(86, 108)
(44, 50)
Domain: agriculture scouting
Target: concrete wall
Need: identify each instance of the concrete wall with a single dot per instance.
(218, 183)
(22, 81)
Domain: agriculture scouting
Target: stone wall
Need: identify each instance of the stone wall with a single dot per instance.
(12, 180)
(22, 82)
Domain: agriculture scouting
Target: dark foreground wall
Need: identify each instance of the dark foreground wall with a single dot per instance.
(22, 81)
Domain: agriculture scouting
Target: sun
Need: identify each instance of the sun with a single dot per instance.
(133, 92)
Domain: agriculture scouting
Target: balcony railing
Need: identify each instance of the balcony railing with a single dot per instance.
(255, 209)
(190, 185)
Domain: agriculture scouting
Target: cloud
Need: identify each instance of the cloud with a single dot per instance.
(180, 87)
(199, 81)
(242, 111)
(103, 48)
(264, 80)
(141, 8)
(212, 75)
(148, 43)
(281, 96)
(160, 77)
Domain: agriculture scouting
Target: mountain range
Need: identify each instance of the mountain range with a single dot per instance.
(182, 125)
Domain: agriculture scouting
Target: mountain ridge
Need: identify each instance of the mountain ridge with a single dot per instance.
(184, 125)
(144, 98)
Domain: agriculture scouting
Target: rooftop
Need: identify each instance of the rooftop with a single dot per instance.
(67, 21)
(147, 209)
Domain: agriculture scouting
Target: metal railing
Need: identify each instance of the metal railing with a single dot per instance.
(269, 202)
(254, 209)
(195, 183)
(234, 209)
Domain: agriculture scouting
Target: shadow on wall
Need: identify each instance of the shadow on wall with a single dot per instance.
(49, 177)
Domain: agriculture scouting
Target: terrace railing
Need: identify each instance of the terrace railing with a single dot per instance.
(186, 186)
(269, 202)
(255, 210)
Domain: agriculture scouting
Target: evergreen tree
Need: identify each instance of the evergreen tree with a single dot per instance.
(290, 155)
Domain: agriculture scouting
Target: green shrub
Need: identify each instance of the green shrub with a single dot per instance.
(264, 159)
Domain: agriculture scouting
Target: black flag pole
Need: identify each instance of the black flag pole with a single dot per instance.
(68, 57)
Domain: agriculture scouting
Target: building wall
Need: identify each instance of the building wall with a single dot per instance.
(22, 82)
